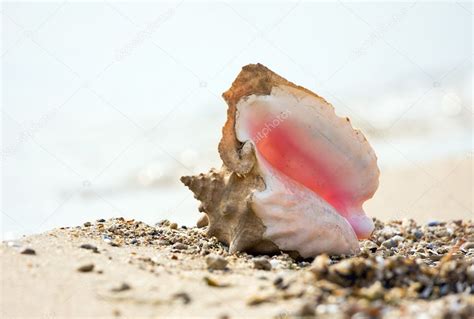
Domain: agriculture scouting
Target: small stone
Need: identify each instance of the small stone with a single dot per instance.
(101, 220)
(374, 292)
(418, 234)
(470, 272)
(122, 287)
(307, 310)
(280, 283)
(320, 265)
(28, 251)
(426, 292)
(183, 296)
(344, 268)
(275, 263)
(180, 246)
(216, 262)
(86, 268)
(214, 283)
(395, 294)
(90, 247)
(257, 300)
(87, 224)
(468, 245)
(390, 243)
(435, 257)
(164, 242)
(398, 239)
(369, 246)
(433, 223)
(115, 243)
(262, 264)
(387, 232)
(174, 226)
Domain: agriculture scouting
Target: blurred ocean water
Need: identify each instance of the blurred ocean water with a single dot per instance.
(105, 106)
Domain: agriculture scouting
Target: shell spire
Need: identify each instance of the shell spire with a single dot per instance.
(224, 197)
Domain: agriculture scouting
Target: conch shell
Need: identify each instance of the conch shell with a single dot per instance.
(294, 174)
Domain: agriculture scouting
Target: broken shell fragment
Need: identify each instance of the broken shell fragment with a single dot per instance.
(294, 174)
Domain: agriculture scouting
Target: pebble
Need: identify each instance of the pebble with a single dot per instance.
(257, 300)
(184, 296)
(373, 292)
(214, 283)
(87, 224)
(387, 232)
(262, 264)
(280, 284)
(390, 243)
(275, 263)
(116, 313)
(122, 287)
(369, 246)
(418, 234)
(180, 246)
(216, 262)
(90, 247)
(320, 264)
(86, 268)
(470, 272)
(398, 238)
(164, 242)
(468, 245)
(306, 310)
(174, 226)
(28, 251)
(115, 243)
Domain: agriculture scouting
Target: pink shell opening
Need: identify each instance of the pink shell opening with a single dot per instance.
(313, 157)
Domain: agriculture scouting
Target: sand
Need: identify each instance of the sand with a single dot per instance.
(48, 284)
(161, 271)
(120, 268)
(439, 189)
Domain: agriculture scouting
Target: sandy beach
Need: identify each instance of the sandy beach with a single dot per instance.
(438, 189)
(125, 123)
(120, 268)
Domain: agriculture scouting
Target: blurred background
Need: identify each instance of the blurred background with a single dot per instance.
(106, 104)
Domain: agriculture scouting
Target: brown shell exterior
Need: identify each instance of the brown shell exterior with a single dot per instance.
(224, 197)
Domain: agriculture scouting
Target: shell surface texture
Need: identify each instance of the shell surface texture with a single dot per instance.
(294, 174)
